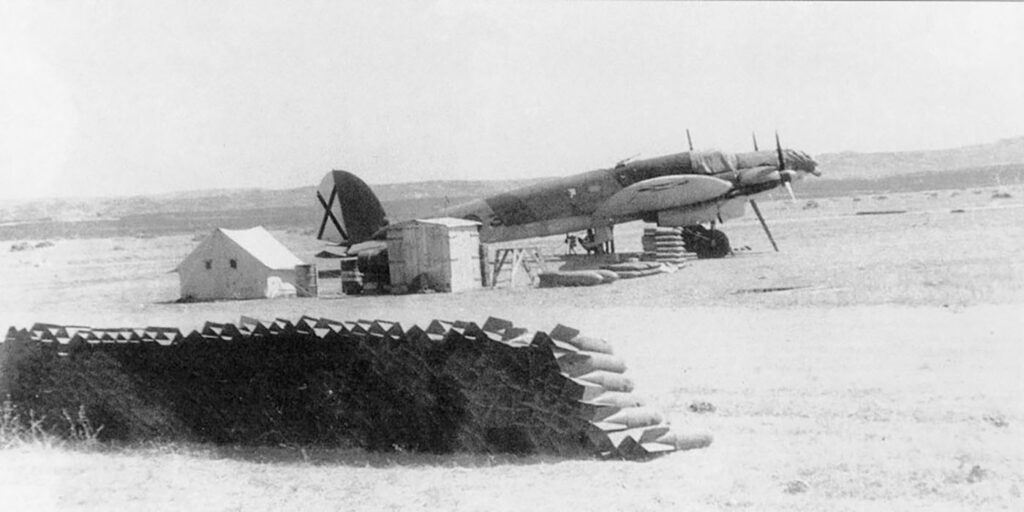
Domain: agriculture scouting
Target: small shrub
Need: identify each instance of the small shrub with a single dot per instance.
(700, 406)
(80, 428)
(977, 474)
(996, 420)
(1001, 194)
(16, 430)
(797, 487)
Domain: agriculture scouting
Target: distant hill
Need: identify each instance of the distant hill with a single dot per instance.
(850, 165)
(847, 173)
(954, 179)
(87, 209)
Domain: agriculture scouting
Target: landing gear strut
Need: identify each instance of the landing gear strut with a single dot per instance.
(707, 243)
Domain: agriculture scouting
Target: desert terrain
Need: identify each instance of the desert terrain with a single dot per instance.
(875, 363)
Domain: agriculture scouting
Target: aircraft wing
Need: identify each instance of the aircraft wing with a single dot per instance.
(662, 193)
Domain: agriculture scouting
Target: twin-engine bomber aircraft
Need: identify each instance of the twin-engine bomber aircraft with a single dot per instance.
(689, 190)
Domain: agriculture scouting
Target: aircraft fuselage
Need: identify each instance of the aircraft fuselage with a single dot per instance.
(579, 202)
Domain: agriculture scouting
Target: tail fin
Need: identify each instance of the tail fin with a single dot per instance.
(351, 211)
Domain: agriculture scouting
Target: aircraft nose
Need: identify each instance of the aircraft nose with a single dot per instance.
(799, 161)
(812, 167)
(807, 164)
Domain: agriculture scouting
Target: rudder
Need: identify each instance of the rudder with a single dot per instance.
(351, 211)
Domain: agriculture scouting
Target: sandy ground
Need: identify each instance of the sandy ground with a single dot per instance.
(889, 374)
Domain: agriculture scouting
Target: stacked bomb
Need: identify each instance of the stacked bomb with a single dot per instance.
(622, 424)
(665, 244)
(632, 269)
(454, 386)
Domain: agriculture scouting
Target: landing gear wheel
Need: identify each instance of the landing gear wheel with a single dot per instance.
(706, 243)
(718, 246)
(694, 238)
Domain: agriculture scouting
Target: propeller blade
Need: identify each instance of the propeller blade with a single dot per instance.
(764, 224)
(754, 136)
(778, 149)
(688, 140)
(789, 188)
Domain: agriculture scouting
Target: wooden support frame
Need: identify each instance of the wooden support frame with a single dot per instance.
(529, 258)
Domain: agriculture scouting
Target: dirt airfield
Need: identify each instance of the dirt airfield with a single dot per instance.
(875, 363)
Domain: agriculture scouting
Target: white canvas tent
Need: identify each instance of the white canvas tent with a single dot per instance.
(238, 264)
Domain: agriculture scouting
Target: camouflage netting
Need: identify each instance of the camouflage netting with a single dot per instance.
(454, 386)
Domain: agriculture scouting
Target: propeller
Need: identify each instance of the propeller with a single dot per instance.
(789, 188)
(778, 150)
(757, 211)
(785, 175)
(688, 140)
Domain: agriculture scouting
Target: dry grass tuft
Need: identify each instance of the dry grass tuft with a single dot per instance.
(797, 487)
(996, 420)
(19, 430)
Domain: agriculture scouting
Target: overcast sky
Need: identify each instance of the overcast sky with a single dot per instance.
(123, 98)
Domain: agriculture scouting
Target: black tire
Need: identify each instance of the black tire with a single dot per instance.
(717, 246)
(706, 243)
(694, 238)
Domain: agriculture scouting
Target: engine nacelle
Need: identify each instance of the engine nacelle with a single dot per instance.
(693, 215)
